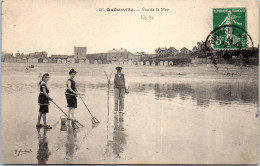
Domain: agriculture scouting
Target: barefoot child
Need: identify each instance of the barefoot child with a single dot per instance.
(71, 94)
(43, 101)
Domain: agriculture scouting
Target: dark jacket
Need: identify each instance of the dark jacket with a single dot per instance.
(119, 82)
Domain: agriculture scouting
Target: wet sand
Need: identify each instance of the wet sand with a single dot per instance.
(198, 117)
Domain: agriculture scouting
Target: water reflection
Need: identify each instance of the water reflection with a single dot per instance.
(101, 86)
(119, 136)
(43, 152)
(11, 87)
(71, 143)
(203, 94)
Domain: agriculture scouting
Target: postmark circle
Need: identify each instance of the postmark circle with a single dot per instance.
(228, 37)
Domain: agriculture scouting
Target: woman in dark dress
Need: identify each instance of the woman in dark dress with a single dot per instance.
(43, 101)
(71, 94)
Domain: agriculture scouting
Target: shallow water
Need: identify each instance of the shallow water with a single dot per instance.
(200, 116)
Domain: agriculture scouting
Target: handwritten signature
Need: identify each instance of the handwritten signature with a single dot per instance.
(21, 152)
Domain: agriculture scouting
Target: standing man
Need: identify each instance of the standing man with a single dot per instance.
(120, 88)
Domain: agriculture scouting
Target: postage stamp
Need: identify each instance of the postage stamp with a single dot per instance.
(229, 26)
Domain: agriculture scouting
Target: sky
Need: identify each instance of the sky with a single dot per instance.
(56, 26)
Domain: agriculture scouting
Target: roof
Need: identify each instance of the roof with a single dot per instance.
(42, 54)
(20, 55)
(7, 55)
(136, 53)
(84, 48)
(117, 50)
(172, 48)
(151, 55)
(97, 54)
(184, 49)
(161, 48)
(59, 56)
(194, 48)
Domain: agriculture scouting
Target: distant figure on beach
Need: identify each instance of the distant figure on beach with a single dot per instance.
(43, 101)
(71, 94)
(120, 88)
(227, 72)
(215, 64)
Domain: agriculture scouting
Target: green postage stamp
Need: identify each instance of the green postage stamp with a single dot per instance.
(229, 28)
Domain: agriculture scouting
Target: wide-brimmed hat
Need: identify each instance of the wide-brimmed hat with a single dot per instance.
(119, 68)
(72, 71)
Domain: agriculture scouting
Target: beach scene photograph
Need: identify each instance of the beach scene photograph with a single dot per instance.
(130, 82)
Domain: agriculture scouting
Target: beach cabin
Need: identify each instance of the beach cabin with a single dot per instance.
(87, 61)
(40, 60)
(30, 60)
(147, 63)
(63, 61)
(33, 60)
(161, 63)
(45, 60)
(166, 63)
(21, 60)
(54, 61)
(11, 60)
(81, 60)
(71, 59)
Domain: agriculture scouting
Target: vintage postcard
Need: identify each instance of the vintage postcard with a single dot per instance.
(130, 82)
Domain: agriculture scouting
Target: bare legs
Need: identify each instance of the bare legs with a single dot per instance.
(71, 112)
(39, 118)
(44, 119)
(43, 116)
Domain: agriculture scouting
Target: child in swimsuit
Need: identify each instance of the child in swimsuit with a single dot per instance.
(43, 101)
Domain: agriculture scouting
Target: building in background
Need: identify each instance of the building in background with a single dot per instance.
(185, 51)
(21, 58)
(71, 59)
(194, 49)
(161, 51)
(172, 51)
(80, 54)
(37, 57)
(118, 55)
(135, 57)
(7, 57)
(97, 58)
(58, 58)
